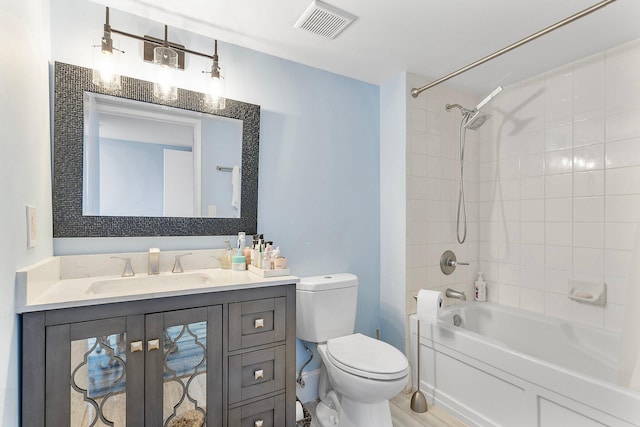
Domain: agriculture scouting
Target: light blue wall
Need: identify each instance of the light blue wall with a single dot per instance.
(223, 150)
(24, 172)
(393, 229)
(319, 155)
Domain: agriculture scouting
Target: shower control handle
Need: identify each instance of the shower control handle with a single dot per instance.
(449, 262)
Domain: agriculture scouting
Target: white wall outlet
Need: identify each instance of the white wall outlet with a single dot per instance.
(32, 227)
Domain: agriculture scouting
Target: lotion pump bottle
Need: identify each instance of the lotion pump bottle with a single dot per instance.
(480, 288)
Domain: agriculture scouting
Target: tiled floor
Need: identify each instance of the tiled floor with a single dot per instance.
(403, 416)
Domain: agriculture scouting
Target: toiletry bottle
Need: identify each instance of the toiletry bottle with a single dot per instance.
(275, 253)
(254, 255)
(225, 262)
(246, 251)
(259, 255)
(264, 258)
(242, 236)
(480, 288)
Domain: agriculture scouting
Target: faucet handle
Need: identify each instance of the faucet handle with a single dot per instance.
(177, 265)
(448, 262)
(128, 269)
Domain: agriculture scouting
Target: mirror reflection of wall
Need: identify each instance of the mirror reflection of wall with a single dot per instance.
(225, 151)
(142, 159)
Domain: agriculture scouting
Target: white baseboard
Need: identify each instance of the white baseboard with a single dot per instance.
(310, 391)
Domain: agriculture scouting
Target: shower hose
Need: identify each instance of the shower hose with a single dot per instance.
(462, 210)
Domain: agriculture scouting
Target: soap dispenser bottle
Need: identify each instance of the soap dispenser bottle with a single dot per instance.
(225, 262)
(480, 288)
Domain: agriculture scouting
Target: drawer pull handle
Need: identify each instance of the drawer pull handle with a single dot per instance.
(259, 423)
(153, 344)
(136, 346)
(258, 374)
(259, 323)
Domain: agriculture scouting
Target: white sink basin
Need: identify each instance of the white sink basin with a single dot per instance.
(161, 282)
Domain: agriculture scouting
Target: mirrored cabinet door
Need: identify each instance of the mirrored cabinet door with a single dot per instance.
(184, 367)
(160, 369)
(95, 377)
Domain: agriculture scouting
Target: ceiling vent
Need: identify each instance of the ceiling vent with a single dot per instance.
(324, 20)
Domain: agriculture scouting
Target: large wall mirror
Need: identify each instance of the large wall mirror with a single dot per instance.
(128, 164)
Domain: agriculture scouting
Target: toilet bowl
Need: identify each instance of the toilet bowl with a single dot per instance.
(364, 372)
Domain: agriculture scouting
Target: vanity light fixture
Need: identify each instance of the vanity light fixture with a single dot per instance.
(214, 96)
(168, 56)
(167, 60)
(105, 61)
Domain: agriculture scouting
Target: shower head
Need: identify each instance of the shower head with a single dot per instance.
(476, 119)
(473, 119)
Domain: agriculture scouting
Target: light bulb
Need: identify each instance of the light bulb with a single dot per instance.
(106, 65)
(167, 59)
(215, 93)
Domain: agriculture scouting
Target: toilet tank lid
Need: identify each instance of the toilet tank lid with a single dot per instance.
(327, 282)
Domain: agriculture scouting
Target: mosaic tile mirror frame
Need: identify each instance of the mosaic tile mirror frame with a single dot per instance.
(70, 83)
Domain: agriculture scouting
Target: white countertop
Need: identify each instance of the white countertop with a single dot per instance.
(41, 287)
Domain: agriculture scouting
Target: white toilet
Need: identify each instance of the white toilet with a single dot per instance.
(363, 373)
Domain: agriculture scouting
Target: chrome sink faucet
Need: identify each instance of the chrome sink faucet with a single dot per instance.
(450, 293)
(177, 265)
(128, 269)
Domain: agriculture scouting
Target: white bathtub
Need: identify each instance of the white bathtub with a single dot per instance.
(508, 367)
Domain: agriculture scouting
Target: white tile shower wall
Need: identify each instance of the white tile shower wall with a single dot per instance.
(432, 191)
(559, 186)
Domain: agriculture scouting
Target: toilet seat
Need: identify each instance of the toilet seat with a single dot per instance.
(366, 357)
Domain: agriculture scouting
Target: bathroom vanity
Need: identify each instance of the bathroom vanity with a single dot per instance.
(157, 350)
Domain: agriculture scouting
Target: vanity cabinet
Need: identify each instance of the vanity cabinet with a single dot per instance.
(227, 358)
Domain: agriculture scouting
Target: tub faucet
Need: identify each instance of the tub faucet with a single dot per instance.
(450, 293)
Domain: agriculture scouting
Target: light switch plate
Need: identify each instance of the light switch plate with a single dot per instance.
(32, 227)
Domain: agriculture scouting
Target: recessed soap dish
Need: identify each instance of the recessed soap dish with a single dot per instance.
(588, 292)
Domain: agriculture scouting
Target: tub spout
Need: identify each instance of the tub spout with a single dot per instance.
(450, 293)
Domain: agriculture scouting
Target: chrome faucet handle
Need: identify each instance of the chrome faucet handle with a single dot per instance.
(177, 265)
(128, 269)
(454, 263)
(448, 262)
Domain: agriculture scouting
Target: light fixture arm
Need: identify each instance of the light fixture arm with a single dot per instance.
(157, 43)
(168, 55)
(215, 67)
(106, 42)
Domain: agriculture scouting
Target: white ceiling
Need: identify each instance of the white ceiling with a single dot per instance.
(428, 37)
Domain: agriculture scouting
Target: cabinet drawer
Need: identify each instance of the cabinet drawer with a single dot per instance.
(256, 373)
(258, 322)
(263, 413)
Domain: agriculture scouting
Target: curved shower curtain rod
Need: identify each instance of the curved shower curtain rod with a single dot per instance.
(417, 91)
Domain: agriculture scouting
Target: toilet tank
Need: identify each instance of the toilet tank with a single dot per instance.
(326, 306)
